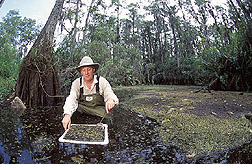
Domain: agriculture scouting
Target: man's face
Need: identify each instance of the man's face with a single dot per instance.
(88, 73)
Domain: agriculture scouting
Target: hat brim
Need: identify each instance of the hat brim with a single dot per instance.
(96, 65)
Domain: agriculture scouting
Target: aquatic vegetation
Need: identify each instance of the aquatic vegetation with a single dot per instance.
(85, 133)
(196, 122)
(199, 134)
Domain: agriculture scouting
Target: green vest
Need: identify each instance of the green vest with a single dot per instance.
(92, 104)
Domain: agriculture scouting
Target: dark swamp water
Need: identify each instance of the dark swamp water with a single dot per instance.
(31, 136)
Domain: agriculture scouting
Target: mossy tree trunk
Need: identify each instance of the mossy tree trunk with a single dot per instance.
(37, 83)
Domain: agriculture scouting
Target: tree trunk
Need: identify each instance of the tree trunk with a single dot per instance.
(37, 83)
(86, 22)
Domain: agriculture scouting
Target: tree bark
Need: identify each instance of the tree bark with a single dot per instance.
(37, 84)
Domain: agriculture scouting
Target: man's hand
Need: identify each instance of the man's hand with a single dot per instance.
(66, 121)
(109, 105)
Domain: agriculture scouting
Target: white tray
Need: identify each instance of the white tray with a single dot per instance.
(105, 142)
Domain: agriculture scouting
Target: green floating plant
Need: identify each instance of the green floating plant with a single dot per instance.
(85, 133)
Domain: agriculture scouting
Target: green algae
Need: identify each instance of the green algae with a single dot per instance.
(198, 134)
(85, 133)
(195, 122)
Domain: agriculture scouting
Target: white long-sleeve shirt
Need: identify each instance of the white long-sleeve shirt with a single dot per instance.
(71, 103)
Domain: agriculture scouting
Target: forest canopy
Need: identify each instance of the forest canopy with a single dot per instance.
(187, 43)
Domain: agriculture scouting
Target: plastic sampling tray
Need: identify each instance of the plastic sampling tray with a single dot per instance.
(86, 134)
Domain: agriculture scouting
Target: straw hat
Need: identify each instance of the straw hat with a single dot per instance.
(87, 61)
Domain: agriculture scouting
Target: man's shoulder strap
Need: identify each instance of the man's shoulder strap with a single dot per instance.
(97, 84)
(81, 88)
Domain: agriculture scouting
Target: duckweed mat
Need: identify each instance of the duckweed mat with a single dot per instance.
(86, 134)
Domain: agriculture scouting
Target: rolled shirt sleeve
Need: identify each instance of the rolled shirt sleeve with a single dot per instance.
(107, 92)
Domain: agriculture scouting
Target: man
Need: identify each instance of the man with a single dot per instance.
(90, 93)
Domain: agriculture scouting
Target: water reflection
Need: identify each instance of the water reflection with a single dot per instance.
(14, 144)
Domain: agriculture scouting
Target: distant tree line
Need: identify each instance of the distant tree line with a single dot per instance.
(189, 43)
